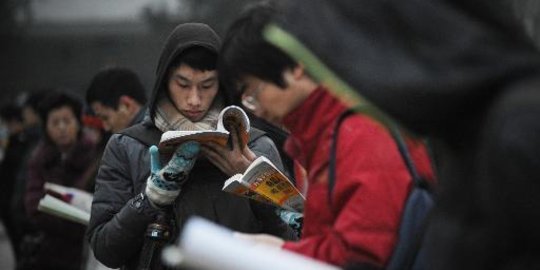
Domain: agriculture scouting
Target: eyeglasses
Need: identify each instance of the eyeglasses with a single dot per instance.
(250, 100)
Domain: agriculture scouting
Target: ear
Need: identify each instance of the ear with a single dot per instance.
(298, 71)
(294, 74)
(125, 103)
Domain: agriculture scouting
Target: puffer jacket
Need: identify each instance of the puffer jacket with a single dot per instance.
(120, 215)
(118, 223)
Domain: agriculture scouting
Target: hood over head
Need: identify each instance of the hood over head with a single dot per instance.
(428, 64)
(184, 36)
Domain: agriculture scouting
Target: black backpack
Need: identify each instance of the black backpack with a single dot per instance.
(409, 253)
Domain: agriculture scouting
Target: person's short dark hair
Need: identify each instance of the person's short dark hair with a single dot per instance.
(58, 99)
(11, 112)
(110, 84)
(197, 57)
(245, 52)
(35, 97)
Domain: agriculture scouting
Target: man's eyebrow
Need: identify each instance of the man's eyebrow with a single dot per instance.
(180, 77)
(211, 78)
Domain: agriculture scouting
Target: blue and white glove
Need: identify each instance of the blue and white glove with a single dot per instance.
(293, 219)
(164, 184)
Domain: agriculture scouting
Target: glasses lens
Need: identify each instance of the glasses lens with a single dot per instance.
(250, 103)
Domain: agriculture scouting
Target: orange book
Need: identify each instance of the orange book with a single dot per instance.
(264, 182)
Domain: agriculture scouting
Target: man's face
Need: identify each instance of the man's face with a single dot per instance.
(270, 102)
(113, 120)
(192, 91)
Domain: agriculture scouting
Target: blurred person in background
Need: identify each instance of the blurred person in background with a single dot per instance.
(464, 74)
(94, 130)
(63, 157)
(15, 144)
(117, 97)
(31, 135)
(4, 138)
(30, 112)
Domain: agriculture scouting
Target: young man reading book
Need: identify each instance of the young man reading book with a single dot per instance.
(133, 190)
(361, 223)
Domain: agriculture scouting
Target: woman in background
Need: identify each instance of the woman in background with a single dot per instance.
(65, 157)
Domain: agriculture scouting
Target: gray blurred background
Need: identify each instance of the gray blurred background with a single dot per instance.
(63, 43)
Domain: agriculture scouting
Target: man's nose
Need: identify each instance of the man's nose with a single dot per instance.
(194, 97)
(62, 125)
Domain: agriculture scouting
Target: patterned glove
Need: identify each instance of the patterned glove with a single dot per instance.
(164, 184)
(293, 219)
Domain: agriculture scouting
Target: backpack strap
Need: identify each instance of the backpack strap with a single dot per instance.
(333, 151)
(407, 257)
(396, 135)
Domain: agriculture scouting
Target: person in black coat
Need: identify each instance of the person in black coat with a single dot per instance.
(128, 197)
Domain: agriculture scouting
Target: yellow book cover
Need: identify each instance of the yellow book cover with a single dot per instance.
(265, 182)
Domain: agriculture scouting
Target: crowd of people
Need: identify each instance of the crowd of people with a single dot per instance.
(53, 136)
(458, 79)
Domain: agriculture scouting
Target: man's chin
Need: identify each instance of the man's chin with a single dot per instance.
(194, 117)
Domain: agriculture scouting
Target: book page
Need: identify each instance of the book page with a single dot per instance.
(234, 116)
(59, 208)
(205, 245)
(77, 197)
(265, 179)
(231, 115)
(171, 139)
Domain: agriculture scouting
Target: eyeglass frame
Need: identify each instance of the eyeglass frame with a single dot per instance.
(250, 101)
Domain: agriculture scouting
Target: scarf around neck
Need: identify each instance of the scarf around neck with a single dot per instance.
(169, 118)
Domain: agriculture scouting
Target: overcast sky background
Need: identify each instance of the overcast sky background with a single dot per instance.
(92, 10)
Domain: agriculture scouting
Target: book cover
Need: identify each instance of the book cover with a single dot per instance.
(66, 202)
(264, 182)
(231, 115)
(74, 196)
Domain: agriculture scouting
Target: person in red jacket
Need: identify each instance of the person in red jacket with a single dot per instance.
(361, 224)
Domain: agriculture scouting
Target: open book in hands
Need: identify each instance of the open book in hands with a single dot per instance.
(263, 181)
(66, 202)
(229, 117)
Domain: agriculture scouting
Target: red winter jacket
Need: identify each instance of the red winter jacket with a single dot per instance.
(371, 185)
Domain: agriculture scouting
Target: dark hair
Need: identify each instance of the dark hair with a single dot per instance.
(197, 57)
(245, 52)
(56, 100)
(35, 97)
(110, 84)
(11, 112)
